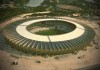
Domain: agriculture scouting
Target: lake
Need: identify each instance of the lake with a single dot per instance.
(34, 3)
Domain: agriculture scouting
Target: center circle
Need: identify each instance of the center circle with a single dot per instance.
(51, 27)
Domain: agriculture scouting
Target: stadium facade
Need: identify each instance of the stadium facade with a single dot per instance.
(17, 36)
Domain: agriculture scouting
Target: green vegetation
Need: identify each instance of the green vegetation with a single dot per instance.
(6, 13)
(87, 9)
(18, 3)
(21, 3)
(50, 32)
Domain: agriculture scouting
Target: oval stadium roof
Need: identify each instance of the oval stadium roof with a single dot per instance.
(18, 37)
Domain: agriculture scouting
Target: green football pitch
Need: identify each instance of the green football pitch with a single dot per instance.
(50, 32)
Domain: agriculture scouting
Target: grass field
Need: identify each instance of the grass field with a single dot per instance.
(50, 32)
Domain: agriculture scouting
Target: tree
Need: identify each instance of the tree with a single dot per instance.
(20, 3)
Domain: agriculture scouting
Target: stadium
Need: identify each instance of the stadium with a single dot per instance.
(49, 34)
(28, 35)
